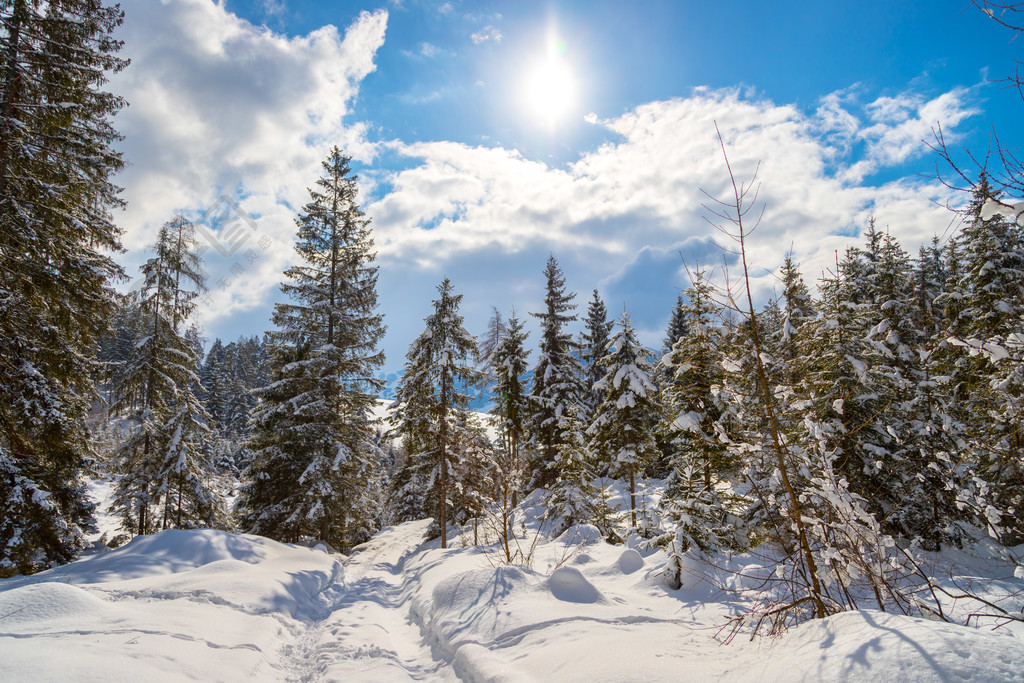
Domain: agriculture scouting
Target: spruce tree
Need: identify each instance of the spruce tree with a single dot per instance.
(313, 434)
(677, 327)
(432, 405)
(695, 367)
(410, 418)
(594, 341)
(485, 366)
(557, 383)
(511, 407)
(699, 460)
(573, 497)
(56, 160)
(164, 459)
(622, 431)
(213, 376)
(986, 365)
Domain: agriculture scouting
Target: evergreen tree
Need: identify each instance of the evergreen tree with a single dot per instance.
(314, 451)
(163, 460)
(432, 404)
(573, 498)
(699, 459)
(677, 327)
(596, 329)
(511, 406)
(845, 383)
(986, 317)
(622, 432)
(474, 472)
(485, 350)
(213, 376)
(56, 159)
(929, 285)
(797, 309)
(411, 419)
(557, 383)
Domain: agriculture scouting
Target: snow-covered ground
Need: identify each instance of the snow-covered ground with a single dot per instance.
(208, 605)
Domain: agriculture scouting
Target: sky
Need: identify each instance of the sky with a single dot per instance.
(490, 135)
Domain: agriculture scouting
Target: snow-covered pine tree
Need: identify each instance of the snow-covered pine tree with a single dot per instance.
(622, 432)
(475, 475)
(593, 345)
(163, 460)
(695, 367)
(677, 327)
(915, 494)
(485, 350)
(56, 160)
(557, 382)
(314, 430)
(929, 284)
(410, 419)
(573, 498)
(213, 376)
(986, 318)
(798, 308)
(699, 461)
(431, 403)
(511, 405)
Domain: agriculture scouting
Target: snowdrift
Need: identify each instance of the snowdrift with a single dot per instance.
(214, 606)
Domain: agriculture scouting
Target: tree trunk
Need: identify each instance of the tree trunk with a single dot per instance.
(632, 495)
(11, 82)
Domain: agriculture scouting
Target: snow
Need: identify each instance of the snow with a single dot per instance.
(210, 605)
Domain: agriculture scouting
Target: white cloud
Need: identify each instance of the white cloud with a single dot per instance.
(488, 33)
(637, 200)
(220, 106)
(274, 7)
(902, 124)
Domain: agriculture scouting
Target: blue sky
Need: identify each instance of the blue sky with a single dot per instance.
(476, 163)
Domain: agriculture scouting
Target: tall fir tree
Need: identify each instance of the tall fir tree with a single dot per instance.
(486, 348)
(573, 497)
(314, 450)
(557, 383)
(56, 159)
(986, 319)
(622, 431)
(695, 367)
(693, 501)
(594, 340)
(677, 326)
(164, 459)
(511, 407)
(432, 403)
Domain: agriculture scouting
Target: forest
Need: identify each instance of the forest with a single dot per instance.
(845, 424)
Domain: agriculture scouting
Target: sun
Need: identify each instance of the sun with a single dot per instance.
(549, 88)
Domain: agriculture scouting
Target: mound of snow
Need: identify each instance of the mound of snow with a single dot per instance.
(580, 534)
(630, 561)
(868, 644)
(569, 585)
(48, 601)
(168, 552)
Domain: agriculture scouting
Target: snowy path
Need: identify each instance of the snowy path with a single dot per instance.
(213, 606)
(366, 629)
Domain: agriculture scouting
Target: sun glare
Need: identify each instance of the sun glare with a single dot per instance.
(549, 88)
